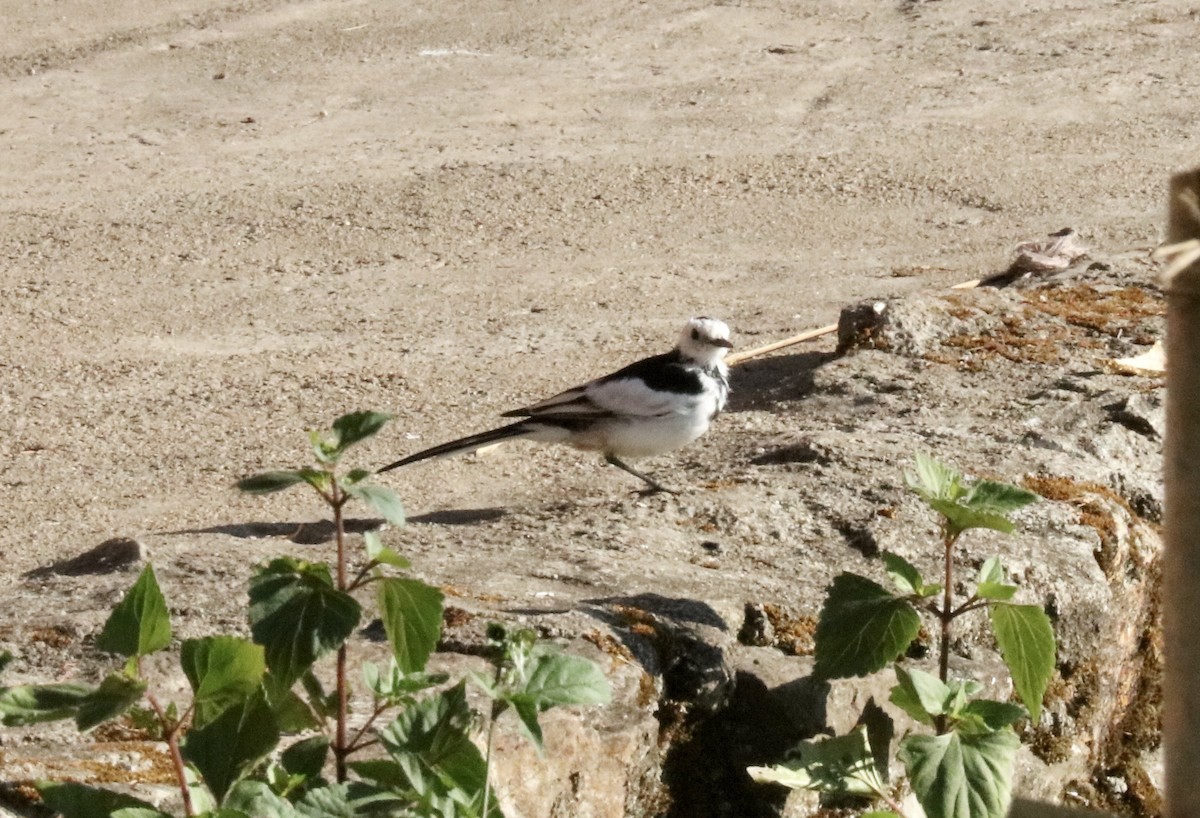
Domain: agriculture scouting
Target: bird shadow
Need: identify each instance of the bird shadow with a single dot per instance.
(614, 609)
(761, 384)
(459, 516)
(312, 533)
(323, 531)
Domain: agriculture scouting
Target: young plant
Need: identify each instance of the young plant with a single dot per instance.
(964, 769)
(247, 695)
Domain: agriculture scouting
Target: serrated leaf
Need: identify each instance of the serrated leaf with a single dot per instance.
(229, 746)
(862, 628)
(961, 776)
(997, 498)
(412, 617)
(934, 480)
(298, 616)
(1026, 640)
(380, 498)
(527, 713)
(431, 745)
(32, 704)
(559, 679)
(992, 715)
(919, 694)
(378, 552)
(841, 765)
(306, 757)
(81, 801)
(223, 671)
(356, 426)
(960, 518)
(995, 591)
(292, 714)
(394, 685)
(269, 481)
(116, 694)
(255, 798)
(992, 583)
(139, 625)
(906, 577)
(992, 570)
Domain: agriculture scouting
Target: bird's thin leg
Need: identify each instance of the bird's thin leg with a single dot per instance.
(654, 485)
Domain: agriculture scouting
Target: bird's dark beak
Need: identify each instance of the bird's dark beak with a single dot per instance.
(722, 342)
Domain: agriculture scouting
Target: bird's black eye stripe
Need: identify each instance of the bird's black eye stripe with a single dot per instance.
(695, 334)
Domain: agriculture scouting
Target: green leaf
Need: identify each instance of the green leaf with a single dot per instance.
(862, 628)
(431, 744)
(1026, 640)
(356, 799)
(306, 757)
(841, 765)
(116, 694)
(559, 679)
(6, 658)
(394, 685)
(906, 577)
(997, 498)
(31, 704)
(223, 671)
(229, 746)
(961, 776)
(986, 716)
(934, 480)
(960, 518)
(81, 801)
(992, 583)
(919, 694)
(380, 498)
(139, 625)
(256, 799)
(378, 552)
(298, 616)
(292, 714)
(150, 812)
(270, 481)
(350, 429)
(992, 570)
(412, 617)
(995, 591)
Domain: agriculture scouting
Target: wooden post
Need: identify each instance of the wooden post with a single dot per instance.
(1181, 559)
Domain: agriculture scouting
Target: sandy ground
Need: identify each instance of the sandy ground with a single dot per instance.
(227, 223)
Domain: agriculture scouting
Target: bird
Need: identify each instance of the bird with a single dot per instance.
(647, 408)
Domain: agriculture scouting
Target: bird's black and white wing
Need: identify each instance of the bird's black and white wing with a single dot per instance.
(648, 388)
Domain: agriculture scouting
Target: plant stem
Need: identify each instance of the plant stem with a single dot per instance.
(341, 747)
(487, 763)
(171, 736)
(946, 615)
(358, 735)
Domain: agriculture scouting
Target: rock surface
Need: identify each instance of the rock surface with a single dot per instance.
(226, 224)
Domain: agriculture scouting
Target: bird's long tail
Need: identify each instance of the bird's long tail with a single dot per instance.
(464, 444)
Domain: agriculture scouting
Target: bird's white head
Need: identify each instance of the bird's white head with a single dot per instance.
(705, 341)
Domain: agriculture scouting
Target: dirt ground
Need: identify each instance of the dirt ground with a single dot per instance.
(225, 223)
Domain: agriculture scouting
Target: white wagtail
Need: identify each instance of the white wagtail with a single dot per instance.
(648, 408)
